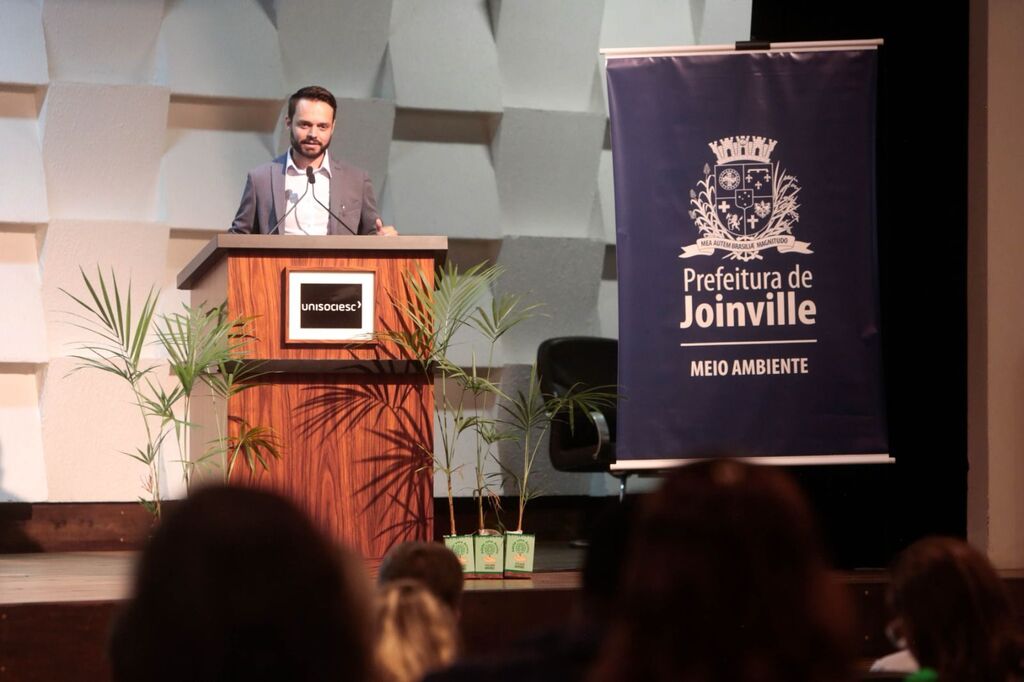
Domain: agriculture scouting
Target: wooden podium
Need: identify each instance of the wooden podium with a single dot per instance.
(355, 418)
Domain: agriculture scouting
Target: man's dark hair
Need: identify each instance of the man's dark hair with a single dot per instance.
(314, 92)
(432, 564)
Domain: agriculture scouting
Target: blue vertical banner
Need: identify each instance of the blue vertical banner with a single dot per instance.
(746, 246)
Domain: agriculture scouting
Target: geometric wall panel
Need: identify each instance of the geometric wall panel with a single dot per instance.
(563, 275)
(546, 165)
(227, 48)
(443, 56)
(22, 45)
(91, 468)
(102, 42)
(22, 183)
(22, 468)
(338, 44)
(203, 174)
(21, 306)
(721, 23)
(606, 195)
(362, 135)
(182, 247)
(438, 188)
(101, 148)
(608, 308)
(133, 250)
(549, 63)
(648, 23)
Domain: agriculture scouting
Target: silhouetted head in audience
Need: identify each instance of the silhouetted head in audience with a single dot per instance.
(432, 564)
(955, 613)
(416, 633)
(236, 584)
(726, 581)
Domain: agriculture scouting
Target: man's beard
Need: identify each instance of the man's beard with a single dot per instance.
(297, 147)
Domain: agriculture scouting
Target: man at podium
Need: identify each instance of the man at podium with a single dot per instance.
(305, 190)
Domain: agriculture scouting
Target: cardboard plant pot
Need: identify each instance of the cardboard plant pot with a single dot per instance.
(489, 548)
(519, 552)
(462, 547)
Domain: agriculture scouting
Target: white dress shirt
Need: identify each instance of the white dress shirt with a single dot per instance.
(309, 217)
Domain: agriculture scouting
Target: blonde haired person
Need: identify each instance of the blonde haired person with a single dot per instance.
(416, 633)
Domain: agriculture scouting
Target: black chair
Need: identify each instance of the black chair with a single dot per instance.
(585, 444)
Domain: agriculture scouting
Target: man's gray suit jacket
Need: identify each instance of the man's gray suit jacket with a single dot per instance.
(263, 200)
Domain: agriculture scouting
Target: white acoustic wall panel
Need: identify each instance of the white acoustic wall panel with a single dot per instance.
(133, 250)
(85, 461)
(338, 44)
(443, 56)
(470, 347)
(562, 274)
(22, 180)
(547, 52)
(438, 188)
(22, 44)
(546, 165)
(647, 23)
(362, 135)
(608, 308)
(21, 306)
(104, 41)
(203, 174)
(227, 48)
(102, 146)
(722, 21)
(606, 196)
(22, 465)
(182, 247)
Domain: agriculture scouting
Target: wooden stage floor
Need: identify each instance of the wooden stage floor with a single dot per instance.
(56, 609)
(106, 576)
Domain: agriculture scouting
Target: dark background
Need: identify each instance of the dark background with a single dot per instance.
(869, 513)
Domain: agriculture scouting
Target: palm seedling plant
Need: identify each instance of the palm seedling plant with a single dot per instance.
(436, 314)
(205, 351)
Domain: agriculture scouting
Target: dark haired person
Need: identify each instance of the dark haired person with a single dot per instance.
(237, 584)
(306, 190)
(955, 613)
(726, 581)
(430, 563)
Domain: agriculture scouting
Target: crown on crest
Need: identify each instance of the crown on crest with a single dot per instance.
(743, 148)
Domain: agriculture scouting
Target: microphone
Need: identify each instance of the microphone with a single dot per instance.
(278, 224)
(312, 181)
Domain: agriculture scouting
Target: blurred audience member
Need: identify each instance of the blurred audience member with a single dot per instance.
(726, 582)
(432, 564)
(563, 654)
(236, 584)
(955, 614)
(415, 632)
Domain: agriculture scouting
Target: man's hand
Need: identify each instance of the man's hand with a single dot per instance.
(386, 230)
